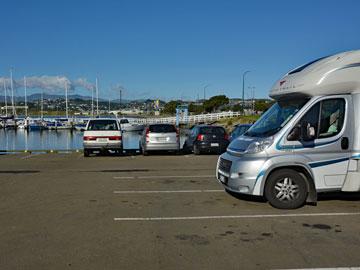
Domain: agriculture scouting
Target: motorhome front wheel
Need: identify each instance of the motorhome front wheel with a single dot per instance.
(286, 189)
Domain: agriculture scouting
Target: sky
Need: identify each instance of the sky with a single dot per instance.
(172, 49)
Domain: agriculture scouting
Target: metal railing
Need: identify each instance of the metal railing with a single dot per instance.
(199, 118)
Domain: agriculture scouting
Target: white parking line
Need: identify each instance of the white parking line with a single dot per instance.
(235, 216)
(335, 268)
(163, 176)
(31, 155)
(166, 191)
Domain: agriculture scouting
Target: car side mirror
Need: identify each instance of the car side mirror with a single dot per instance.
(295, 134)
(82, 129)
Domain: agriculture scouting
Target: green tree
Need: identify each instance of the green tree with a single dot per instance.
(197, 109)
(237, 108)
(263, 105)
(215, 102)
(170, 107)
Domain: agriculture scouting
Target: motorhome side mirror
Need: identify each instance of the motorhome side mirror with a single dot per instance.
(295, 134)
(309, 133)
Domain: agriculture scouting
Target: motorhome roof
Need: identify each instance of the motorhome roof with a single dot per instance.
(336, 74)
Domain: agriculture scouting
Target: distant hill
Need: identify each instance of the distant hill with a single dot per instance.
(37, 96)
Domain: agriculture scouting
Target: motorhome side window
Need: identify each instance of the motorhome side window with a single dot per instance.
(311, 118)
(332, 117)
(326, 117)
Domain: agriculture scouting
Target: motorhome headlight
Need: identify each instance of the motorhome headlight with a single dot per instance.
(259, 146)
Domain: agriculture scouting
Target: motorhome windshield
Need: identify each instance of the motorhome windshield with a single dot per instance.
(276, 118)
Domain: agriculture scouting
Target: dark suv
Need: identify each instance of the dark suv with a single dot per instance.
(206, 139)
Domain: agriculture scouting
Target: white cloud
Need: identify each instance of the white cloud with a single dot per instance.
(47, 83)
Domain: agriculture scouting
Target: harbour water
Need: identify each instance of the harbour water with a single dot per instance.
(20, 139)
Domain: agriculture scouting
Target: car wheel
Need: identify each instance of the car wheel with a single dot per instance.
(286, 189)
(86, 152)
(144, 152)
(184, 148)
(196, 150)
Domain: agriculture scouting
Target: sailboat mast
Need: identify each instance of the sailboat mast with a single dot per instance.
(92, 101)
(5, 90)
(66, 101)
(42, 105)
(26, 110)
(12, 92)
(97, 97)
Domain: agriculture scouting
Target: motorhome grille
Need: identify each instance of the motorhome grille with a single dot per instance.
(225, 165)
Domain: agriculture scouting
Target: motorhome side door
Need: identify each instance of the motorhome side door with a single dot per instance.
(326, 140)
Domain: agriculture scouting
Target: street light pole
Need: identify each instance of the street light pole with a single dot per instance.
(243, 91)
(206, 86)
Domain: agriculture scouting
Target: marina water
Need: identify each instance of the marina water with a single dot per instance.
(20, 139)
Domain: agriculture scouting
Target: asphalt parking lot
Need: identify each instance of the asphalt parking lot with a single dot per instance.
(63, 211)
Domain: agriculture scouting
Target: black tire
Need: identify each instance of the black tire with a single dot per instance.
(185, 148)
(86, 152)
(196, 150)
(144, 152)
(286, 189)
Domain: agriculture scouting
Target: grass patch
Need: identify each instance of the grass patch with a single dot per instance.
(229, 123)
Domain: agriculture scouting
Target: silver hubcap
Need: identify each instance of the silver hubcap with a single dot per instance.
(286, 190)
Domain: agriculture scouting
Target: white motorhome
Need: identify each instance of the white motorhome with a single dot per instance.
(307, 142)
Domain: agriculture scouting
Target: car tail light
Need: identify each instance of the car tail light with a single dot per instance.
(226, 137)
(147, 135)
(115, 138)
(89, 138)
(200, 137)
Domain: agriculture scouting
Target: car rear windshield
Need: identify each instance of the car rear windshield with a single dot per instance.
(102, 125)
(212, 130)
(162, 128)
(124, 121)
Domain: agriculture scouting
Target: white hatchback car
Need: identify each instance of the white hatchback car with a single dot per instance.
(102, 135)
(160, 137)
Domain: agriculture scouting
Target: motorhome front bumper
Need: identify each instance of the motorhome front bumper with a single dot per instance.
(239, 174)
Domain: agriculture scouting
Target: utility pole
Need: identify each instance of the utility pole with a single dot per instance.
(254, 100)
(252, 93)
(120, 98)
(97, 97)
(109, 104)
(243, 91)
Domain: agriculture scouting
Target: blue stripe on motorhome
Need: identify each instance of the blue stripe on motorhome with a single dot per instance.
(260, 174)
(287, 147)
(328, 162)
